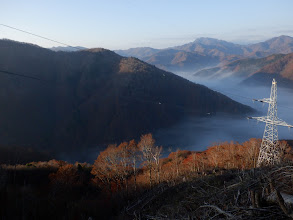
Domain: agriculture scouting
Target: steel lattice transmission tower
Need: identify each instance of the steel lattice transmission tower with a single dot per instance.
(270, 152)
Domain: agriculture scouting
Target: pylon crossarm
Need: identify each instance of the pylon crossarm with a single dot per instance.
(266, 100)
(278, 122)
(269, 153)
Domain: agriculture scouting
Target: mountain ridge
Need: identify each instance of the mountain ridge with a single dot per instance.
(67, 48)
(281, 69)
(93, 97)
(239, 68)
(218, 50)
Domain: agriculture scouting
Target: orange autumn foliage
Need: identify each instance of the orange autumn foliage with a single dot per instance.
(115, 166)
(66, 176)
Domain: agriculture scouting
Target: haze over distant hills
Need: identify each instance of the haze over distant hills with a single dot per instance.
(208, 52)
(139, 52)
(67, 49)
(240, 68)
(281, 69)
(214, 59)
(259, 71)
(93, 97)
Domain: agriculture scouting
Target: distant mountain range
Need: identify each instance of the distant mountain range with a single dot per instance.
(67, 49)
(92, 97)
(254, 70)
(281, 69)
(139, 52)
(174, 60)
(208, 52)
(240, 68)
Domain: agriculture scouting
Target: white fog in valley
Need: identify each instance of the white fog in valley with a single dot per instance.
(198, 134)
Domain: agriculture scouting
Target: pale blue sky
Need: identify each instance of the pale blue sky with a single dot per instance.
(122, 24)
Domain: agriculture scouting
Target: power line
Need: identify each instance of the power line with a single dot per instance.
(36, 35)
(22, 75)
(125, 97)
(25, 76)
(184, 109)
(133, 98)
(55, 41)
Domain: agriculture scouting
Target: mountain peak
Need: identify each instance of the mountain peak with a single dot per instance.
(101, 98)
(97, 50)
(67, 49)
(206, 39)
(102, 51)
(285, 36)
(210, 41)
(133, 65)
(282, 38)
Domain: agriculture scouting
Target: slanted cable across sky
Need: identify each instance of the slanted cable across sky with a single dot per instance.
(123, 24)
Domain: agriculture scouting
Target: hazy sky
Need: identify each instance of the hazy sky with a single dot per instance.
(122, 24)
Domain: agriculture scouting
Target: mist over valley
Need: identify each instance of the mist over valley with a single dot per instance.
(191, 119)
(84, 100)
(141, 110)
(194, 134)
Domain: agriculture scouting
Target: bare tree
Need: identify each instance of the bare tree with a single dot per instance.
(177, 162)
(125, 163)
(156, 156)
(253, 151)
(135, 158)
(106, 166)
(193, 161)
(147, 145)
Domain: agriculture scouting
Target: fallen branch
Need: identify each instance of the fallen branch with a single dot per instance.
(218, 210)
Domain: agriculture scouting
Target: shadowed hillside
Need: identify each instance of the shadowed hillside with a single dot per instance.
(92, 97)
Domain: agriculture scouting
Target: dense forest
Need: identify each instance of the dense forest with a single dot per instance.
(132, 181)
(140, 110)
(83, 99)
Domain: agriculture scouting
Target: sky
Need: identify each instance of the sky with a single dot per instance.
(123, 24)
